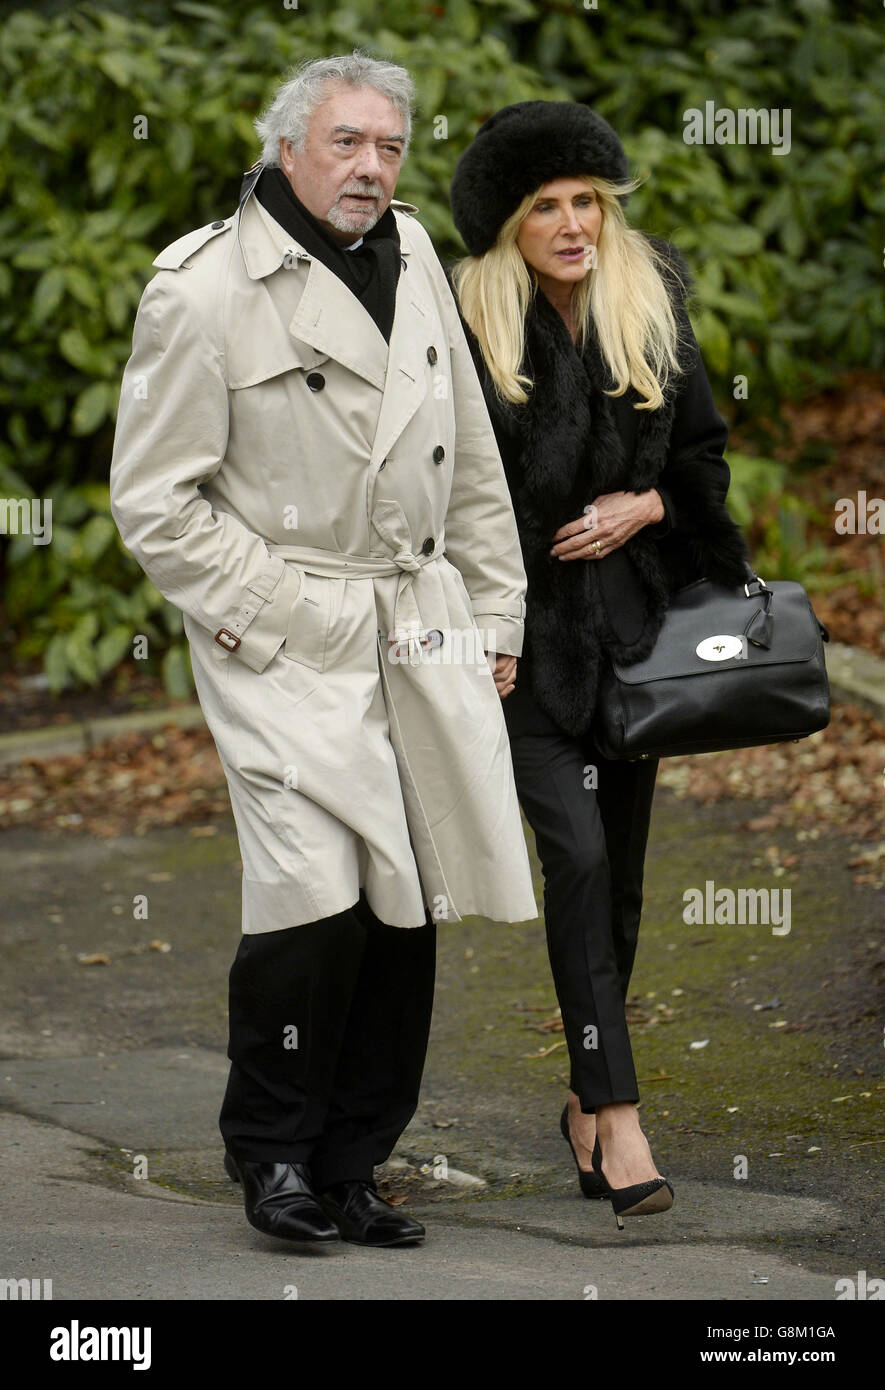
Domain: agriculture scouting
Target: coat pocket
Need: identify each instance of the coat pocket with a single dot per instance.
(307, 636)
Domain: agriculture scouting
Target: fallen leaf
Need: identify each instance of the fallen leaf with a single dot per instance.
(544, 1052)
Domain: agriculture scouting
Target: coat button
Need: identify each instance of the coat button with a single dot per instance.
(429, 546)
(432, 356)
(217, 226)
(439, 454)
(316, 381)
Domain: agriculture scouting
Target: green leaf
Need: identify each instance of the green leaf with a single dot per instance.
(48, 293)
(82, 286)
(103, 166)
(95, 537)
(792, 237)
(714, 340)
(76, 349)
(96, 496)
(112, 647)
(35, 255)
(117, 305)
(180, 147)
(81, 656)
(55, 663)
(145, 218)
(91, 408)
(177, 676)
(117, 66)
(736, 240)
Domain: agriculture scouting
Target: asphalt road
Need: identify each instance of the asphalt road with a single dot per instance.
(111, 1077)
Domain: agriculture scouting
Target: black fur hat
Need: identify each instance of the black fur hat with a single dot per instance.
(518, 149)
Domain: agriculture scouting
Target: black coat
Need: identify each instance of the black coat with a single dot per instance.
(564, 448)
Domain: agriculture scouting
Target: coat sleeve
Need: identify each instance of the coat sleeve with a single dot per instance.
(694, 481)
(172, 431)
(482, 539)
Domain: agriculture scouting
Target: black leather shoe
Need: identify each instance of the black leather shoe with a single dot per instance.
(364, 1218)
(280, 1201)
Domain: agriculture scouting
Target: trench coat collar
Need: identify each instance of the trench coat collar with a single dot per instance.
(334, 323)
(263, 242)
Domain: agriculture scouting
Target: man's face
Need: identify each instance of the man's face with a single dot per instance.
(347, 172)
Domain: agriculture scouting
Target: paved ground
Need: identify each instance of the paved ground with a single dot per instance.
(111, 1068)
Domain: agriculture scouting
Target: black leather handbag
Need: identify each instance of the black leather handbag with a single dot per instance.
(732, 668)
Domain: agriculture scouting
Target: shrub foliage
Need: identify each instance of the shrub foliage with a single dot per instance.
(122, 127)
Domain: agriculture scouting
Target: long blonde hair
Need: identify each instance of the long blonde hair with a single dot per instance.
(624, 294)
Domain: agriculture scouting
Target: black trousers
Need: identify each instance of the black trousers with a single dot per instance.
(591, 843)
(329, 1023)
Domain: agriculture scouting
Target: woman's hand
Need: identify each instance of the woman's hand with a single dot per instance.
(610, 521)
(503, 668)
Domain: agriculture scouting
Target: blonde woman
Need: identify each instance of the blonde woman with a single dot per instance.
(613, 452)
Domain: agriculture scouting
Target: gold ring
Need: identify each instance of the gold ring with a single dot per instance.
(597, 547)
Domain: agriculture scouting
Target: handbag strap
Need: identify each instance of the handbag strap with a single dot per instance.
(760, 626)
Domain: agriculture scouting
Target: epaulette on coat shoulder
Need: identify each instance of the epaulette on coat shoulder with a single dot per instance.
(177, 253)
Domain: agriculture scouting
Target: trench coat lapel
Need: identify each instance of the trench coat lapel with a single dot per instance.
(405, 383)
(333, 321)
(330, 322)
(329, 319)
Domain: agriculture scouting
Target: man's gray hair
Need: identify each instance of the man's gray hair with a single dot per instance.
(289, 113)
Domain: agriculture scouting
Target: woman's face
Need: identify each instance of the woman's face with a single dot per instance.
(556, 236)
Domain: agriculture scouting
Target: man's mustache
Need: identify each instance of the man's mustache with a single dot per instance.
(370, 190)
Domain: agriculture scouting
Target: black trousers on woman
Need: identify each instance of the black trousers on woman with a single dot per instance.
(591, 844)
(329, 1023)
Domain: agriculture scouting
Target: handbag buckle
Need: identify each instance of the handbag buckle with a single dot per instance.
(759, 584)
(720, 647)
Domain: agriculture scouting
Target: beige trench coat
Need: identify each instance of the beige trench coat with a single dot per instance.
(304, 491)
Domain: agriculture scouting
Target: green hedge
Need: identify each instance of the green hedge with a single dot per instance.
(785, 249)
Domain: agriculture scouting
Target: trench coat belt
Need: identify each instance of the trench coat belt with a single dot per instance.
(335, 565)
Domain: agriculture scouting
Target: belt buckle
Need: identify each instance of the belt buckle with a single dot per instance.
(227, 639)
(408, 643)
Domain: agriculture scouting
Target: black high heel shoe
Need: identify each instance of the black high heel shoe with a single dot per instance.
(642, 1199)
(591, 1184)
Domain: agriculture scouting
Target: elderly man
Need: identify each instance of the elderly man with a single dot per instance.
(305, 467)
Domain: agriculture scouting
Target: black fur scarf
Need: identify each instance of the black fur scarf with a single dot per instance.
(562, 450)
